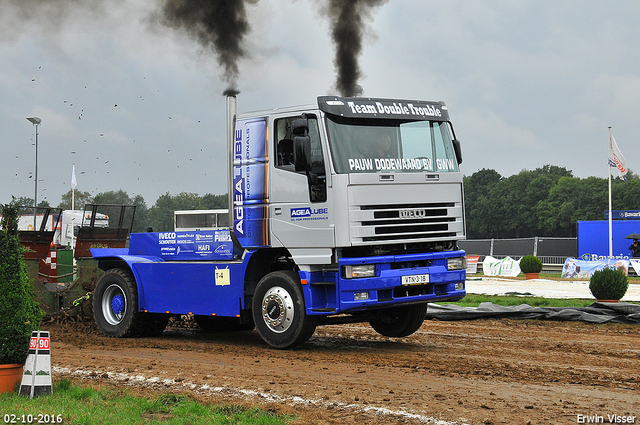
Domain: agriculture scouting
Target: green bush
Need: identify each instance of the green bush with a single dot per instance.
(20, 314)
(608, 284)
(530, 264)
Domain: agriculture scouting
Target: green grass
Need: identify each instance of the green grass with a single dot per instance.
(473, 300)
(72, 404)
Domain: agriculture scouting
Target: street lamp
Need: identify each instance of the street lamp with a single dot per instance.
(35, 121)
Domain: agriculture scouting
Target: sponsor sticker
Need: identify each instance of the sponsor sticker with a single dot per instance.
(308, 213)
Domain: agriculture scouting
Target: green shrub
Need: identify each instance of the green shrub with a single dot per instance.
(530, 264)
(20, 314)
(608, 284)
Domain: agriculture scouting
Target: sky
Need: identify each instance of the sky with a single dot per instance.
(138, 106)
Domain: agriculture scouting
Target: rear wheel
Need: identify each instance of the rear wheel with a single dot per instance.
(400, 321)
(115, 304)
(279, 311)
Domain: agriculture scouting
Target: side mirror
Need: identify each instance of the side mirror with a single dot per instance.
(458, 150)
(300, 127)
(301, 144)
(302, 153)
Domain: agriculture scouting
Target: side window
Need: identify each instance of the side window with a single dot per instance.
(284, 144)
(284, 148)
(445, 155)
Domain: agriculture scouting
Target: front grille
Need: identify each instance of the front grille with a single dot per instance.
(406, 222)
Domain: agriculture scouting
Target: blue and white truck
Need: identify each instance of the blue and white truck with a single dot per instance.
(347, 210)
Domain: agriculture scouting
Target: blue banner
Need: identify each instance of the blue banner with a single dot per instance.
(582, 269)
(622, 214)
(593, 239)
(184, 246)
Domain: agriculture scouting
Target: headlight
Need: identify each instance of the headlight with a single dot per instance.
(362, 270)
(458, 263)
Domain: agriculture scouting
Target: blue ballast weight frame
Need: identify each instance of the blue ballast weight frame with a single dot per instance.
(197, 275)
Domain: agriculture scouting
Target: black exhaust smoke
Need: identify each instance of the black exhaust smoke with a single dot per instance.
(348, 24)
(219, 25)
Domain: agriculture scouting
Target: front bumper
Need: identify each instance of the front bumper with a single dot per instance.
(399, 279)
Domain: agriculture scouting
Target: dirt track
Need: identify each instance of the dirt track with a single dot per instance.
(475, 372)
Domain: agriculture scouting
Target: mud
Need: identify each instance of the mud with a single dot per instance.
(472, 372)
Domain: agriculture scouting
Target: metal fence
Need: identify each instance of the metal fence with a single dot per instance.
(552, 251)
(538, 246)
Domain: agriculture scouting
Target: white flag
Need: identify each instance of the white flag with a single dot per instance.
(74, 183)
(616, 160)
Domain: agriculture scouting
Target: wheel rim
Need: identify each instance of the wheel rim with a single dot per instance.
(277, 309)
(114, 305)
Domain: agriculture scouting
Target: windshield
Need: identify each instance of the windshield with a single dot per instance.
(370, 146)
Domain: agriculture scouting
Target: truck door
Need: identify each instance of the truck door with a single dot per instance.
(300, 210)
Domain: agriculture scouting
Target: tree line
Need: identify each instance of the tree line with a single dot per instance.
(547, 201)
(158, 217)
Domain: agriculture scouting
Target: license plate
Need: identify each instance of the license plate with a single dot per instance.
(416, 279)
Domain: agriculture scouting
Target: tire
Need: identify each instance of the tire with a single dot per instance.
(211, 324)
(279, 312)
(115, 305)
(399, 322)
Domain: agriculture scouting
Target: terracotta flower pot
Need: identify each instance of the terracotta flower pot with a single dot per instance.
(10, 375)
(532, 275)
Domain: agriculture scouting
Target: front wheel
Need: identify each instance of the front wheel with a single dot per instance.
(400, 321)
(279, 311)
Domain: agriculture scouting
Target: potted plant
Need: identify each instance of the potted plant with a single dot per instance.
(20, 314)
(609, 284)
(531, 266)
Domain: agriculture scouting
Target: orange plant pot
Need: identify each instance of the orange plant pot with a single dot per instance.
(532, 275)
(10, 375)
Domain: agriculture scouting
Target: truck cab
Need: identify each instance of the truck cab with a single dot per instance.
(349, 177)
(71, 223)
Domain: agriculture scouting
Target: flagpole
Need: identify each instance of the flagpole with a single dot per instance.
(616, 159)
(610, 220)
(73, 216)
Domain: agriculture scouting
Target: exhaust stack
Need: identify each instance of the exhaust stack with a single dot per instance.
(231, 128)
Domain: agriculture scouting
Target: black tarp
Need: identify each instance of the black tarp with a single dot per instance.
(595, 313)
